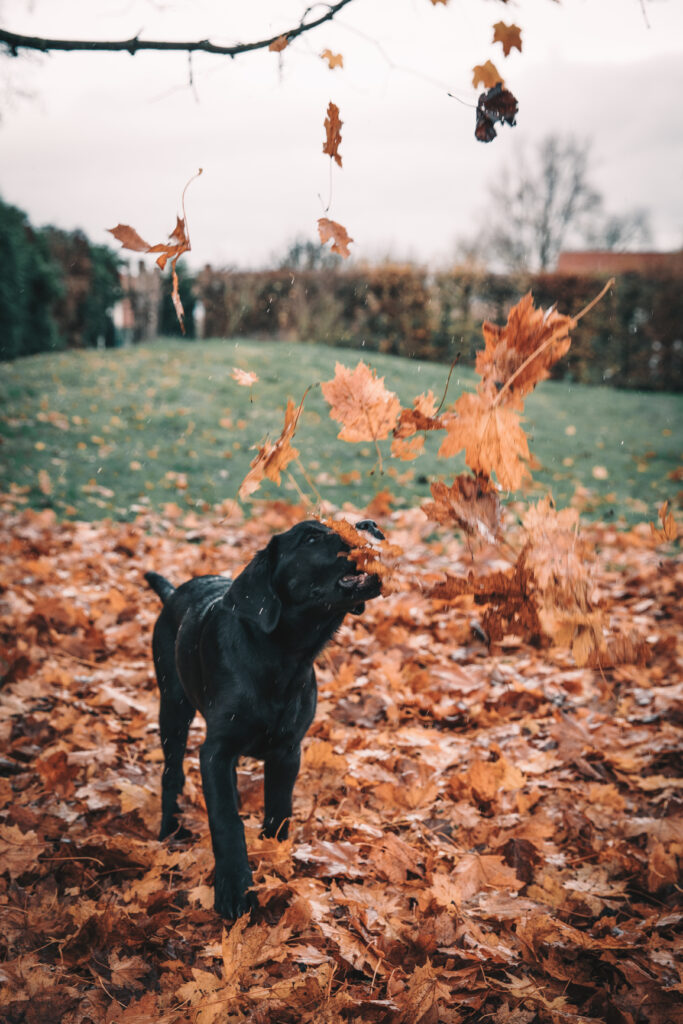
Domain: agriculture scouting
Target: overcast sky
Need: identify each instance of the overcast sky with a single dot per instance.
(108, 137)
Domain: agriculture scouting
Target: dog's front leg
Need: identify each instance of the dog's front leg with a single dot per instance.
(281, 770)
(233, 875)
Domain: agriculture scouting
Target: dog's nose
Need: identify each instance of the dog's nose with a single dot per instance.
(371, 527)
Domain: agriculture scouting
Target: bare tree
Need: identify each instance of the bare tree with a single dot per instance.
(541, 206)
(536, 207)
(619, 232)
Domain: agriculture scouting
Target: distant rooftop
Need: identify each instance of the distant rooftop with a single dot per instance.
(602, 261)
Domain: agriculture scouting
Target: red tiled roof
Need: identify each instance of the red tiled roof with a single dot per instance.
(598, 261)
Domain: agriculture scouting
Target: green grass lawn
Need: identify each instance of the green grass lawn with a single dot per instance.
(96, 434)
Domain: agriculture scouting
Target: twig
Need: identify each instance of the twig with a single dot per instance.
(14, 41)
(304, 497)
(309, 481)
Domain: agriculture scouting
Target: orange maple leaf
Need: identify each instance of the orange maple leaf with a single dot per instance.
(369, 554)
(508, 36)
(492, 437)
(669, 530)
(245, 378)
(273, 458)
(330, 229)
(559, 559)
(279, 44)
(179, 242)
(420, 417)
(333, 133)
(487, 74)
(407, 449)
(523, 351)
(470, 502)
(334, 60)
(361, 403)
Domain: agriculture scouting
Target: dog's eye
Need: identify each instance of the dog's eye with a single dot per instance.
(312, 538)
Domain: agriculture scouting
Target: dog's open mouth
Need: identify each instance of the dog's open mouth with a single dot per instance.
(355, 580)
(360, 587)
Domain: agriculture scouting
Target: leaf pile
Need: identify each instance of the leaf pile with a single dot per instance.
(481, 833)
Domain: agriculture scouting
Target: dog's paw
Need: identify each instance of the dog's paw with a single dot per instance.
(275, 829)
(233, 898)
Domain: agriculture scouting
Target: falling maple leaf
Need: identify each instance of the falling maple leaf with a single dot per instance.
(492, 436)
(279, 44)
(514, 359)
(420, 417)
(333, 133)
(669, 530)
(508, 36)
(330, 229)
(179, 243)
(471, 502)
(487, 75)
(334, 60)
(371, 555)
(407, 449)
(361, 403)
(245, 378)
(496, 105)
(273, 458)
(44, 481)
(559, 561)
(519, 355)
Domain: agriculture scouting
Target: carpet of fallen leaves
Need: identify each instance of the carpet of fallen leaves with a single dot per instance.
(480, 834)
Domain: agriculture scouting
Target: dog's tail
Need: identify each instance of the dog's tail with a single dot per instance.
(160, 585)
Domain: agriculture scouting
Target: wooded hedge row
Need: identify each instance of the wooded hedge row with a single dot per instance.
(632, 339)
(56, 288)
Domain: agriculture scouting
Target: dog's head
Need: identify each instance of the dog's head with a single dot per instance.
(303, 570)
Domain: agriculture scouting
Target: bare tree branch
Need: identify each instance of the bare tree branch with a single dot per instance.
(15, 42)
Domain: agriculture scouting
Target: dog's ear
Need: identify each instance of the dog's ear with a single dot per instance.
(252, 595)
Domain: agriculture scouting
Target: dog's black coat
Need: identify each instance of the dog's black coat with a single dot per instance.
(242, 653)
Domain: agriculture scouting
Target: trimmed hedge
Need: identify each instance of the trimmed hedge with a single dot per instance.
(632, 339)
(56, 288)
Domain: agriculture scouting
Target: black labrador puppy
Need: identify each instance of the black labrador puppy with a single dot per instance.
(242, 653)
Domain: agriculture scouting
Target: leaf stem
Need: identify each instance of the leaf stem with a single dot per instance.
(448, 380)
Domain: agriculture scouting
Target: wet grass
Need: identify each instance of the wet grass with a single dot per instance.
(95, 434)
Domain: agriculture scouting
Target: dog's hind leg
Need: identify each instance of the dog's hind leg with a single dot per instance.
(175, 715)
